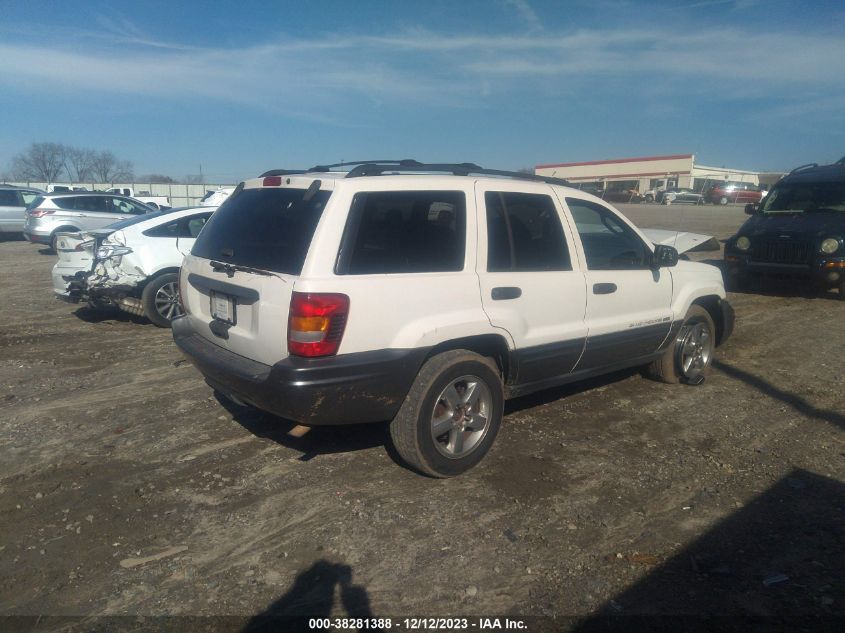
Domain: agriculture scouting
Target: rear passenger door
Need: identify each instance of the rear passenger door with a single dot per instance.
(11, 211)
(628, 304)
(529, 286)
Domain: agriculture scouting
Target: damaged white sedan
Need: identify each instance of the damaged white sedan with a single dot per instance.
(132, 265)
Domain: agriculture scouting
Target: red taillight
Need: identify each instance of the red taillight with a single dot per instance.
(272, 181)
(316, 323)
(38, 213)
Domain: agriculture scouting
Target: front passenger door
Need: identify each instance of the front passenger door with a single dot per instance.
(628, 304)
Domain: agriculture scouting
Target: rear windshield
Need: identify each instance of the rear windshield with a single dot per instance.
(269, 229)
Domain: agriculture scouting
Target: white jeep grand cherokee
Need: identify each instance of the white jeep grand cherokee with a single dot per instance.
(427, 294)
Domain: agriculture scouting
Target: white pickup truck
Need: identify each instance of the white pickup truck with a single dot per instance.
(157, 202)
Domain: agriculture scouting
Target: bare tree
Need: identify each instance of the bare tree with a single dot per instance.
(156, 179)
(78, 163)
(106, 168)
(42, 161)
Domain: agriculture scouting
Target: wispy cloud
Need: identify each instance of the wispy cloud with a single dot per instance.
(322, 77)
(526, 13)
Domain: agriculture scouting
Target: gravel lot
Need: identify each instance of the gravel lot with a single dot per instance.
(126, 488)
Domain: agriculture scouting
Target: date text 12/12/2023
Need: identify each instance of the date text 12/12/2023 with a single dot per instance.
(417, 624)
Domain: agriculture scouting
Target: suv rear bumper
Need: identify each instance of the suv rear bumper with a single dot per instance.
(36, 238)
(345, 389)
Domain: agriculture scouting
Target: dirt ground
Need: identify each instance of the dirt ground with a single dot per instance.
(126, 488)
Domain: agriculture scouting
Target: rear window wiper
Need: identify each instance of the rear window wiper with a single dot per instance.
(230, 269)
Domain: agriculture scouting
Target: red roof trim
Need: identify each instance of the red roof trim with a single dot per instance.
(611, 176)
(617, 160)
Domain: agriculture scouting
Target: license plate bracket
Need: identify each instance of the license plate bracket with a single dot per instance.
(223, 308)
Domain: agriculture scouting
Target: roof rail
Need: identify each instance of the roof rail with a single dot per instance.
(406, 162)
(803, 167)
(377, 168)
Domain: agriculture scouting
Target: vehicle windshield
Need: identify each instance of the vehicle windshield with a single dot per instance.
(806, 197)
(266, 228)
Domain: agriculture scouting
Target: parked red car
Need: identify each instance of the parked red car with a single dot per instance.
(724, 192)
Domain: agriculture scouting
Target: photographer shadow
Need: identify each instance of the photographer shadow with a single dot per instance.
(313, 596)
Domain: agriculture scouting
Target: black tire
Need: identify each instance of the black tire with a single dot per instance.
(723, 200)
(649, 198)
(669, 368)
(412, 430)
(160, 299)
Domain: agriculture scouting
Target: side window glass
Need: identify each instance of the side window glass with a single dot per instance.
(120, 206)
(92, 203)
(171, 229)
(28, 197)
(195, 225)
(9, 198)
(609, 244)
(404, 232)
(524, 233)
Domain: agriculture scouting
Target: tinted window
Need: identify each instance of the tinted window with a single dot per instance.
(269, 229)
(83, 203)
(9, 198)
(524, 233)
(609, 243)
(404, 231)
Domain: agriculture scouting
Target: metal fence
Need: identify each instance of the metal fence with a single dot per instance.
(179, 195)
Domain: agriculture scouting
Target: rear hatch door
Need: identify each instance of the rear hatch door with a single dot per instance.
(238, 280)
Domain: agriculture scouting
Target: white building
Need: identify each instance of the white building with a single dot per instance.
(645, 173)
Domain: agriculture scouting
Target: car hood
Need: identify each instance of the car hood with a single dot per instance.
(681, 240)
(795, 225)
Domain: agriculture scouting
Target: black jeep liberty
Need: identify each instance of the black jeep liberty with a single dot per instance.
(798, 230)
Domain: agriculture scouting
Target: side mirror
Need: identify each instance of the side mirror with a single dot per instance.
(750, 209)
(664, 256)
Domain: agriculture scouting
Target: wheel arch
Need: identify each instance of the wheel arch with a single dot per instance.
(158, 273)
(492, 345)
(65, 228)
(713, 305)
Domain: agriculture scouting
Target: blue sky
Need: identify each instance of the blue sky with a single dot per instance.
(250, 86)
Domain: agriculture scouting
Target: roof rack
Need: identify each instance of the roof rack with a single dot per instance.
(378, 168)
(803, 167)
